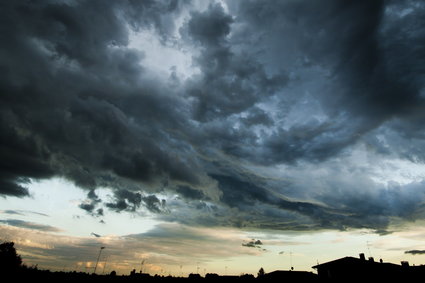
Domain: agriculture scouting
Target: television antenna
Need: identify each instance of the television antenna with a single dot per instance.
(141, 265)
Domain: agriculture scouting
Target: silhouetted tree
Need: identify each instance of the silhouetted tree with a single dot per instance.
(260, 272)
(113, 273)
(9, 259)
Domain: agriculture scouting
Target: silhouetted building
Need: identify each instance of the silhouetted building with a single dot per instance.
(351, 268)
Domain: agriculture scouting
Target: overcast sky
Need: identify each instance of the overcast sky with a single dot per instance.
(160, 123)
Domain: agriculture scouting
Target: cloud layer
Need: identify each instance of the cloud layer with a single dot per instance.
(166, 246)
(286, 120)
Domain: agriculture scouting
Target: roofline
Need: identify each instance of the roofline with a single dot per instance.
(355, 258)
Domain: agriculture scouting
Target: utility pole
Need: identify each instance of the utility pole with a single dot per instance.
(95, 267)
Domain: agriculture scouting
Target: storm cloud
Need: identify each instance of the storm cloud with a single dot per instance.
(288, 117)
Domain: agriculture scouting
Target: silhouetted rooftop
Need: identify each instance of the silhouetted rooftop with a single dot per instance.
(348, 260)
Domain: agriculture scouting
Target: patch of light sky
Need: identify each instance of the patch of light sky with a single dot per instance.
(171, 55)
(60, 200)
(385, 170)
(160, 58)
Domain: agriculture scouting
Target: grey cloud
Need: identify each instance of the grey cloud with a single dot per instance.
(131, 201)
(87, 206)
(157, 14)
(415, 252)
(117, 206)
(106, 142)
(190, 193)
(85, 58)
(154, 204)
(277, 83)
(30, 225)
(22, 212)
(257, 116)
(91, 203)
(356, 44)
(256, 202)
(125, 200)
(231, 82)
(12, 212)
(210, 27)
(96, 235)
(253, 244)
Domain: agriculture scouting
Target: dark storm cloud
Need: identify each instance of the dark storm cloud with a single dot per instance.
(153, 203)
(358, 46)
(230, 82)
(30, 225)
(22, 158)
(189, 193)
(253, 244)
(75, 100)
(273, 210)
(288, 83)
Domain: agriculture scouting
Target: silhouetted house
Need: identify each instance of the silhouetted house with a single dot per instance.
(351, 268)
(290, 276)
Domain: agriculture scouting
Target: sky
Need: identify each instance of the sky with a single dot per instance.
(212, 136)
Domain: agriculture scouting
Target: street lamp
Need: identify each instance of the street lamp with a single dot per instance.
(100, 251)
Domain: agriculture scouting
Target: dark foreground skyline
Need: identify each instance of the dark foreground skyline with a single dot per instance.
(347, 269)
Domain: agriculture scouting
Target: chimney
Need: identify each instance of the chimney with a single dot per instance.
(371, 259)
(362, 257)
